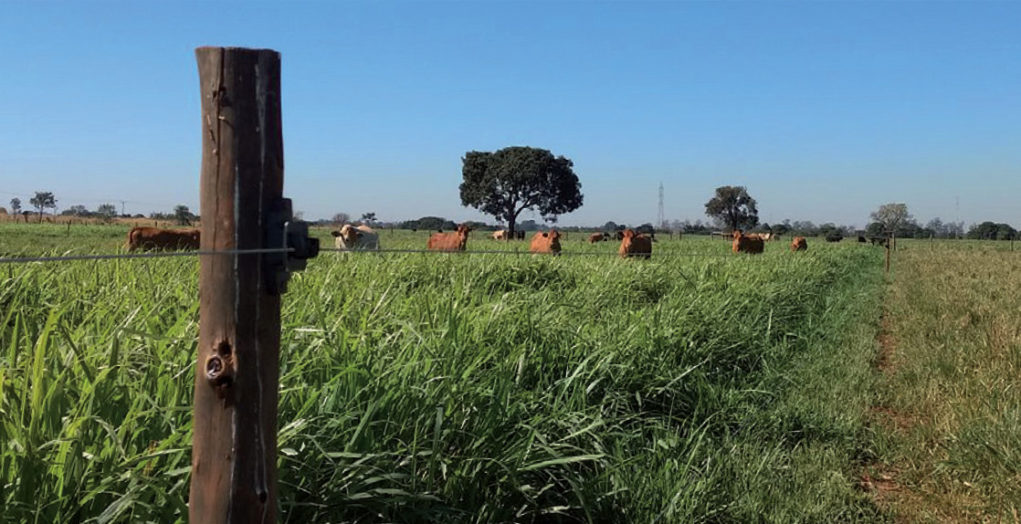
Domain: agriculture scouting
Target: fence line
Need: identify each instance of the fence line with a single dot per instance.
(507, 252)
(119, 256)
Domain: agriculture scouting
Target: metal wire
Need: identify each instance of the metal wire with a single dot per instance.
(118, 256)
(122, 256)
(494, 252)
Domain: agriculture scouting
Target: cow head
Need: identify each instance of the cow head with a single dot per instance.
(349, 233)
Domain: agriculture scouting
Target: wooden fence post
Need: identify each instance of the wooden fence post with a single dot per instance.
(887, 258)
(233, 475)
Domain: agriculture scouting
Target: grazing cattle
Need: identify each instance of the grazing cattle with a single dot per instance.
(598, 237)
(747, 244)
(799, 244)
(456, 241)
(861, 239)
(546, 242)
(882, 241)
(519, 235)
(634, 245)
(156, 238)
(500, 235)
(351, 238)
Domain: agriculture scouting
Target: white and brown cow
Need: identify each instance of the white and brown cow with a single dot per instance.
(356, 238)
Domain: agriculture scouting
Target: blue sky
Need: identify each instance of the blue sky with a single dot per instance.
(823, 110)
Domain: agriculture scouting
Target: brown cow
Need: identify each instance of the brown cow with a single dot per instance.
(455, 241)
(598, 237)
(747, 244)
(799, 244)
(156, 238)
(634, 245)
(546, 242)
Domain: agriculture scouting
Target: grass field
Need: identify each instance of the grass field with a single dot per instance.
(949, 407)
(457, 388)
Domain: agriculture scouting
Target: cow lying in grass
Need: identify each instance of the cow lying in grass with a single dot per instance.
(456, 241)
(546, 242)
(634, 245)
(747, 244)
(352, 238)
(146, 238)
(799, 244)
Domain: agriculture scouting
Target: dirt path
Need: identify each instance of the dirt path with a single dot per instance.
(881, 479)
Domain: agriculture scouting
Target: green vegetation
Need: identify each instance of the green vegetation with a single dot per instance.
(460, 388)
(949, 409)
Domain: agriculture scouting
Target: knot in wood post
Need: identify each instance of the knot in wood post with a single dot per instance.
(220, 368)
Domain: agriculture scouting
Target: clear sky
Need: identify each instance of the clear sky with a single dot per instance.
(823, 110)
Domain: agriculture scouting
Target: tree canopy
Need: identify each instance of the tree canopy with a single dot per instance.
(508, 181)
(891, 216)
(734, 207)
(43, 200)
(106, 212)
(989, 230)
(183, 215)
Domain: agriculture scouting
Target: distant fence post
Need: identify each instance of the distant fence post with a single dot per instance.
(887, 258)
(233, 475)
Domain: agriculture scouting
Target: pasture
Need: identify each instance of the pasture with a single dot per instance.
(948, 406)
(459, 388)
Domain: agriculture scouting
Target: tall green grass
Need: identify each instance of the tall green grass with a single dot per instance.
(463, 388)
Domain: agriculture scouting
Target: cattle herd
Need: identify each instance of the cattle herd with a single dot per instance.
(361, 238)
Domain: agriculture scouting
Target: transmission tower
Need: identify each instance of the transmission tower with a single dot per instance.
(660, 218)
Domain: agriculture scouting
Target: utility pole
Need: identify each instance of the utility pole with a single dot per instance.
(661, 218)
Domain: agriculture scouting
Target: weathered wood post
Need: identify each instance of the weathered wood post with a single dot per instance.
(887, 258)
(233, 476)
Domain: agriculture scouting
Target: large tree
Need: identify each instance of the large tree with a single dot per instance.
(106, 212)
(43, 200)
(892, 216)
(341, 218)
(734, 207)
(15, 205)
(508, 181)
(183, 215)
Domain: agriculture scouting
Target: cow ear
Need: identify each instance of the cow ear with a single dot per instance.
(335, 233)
